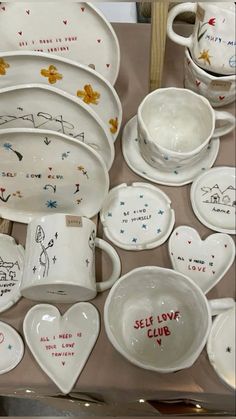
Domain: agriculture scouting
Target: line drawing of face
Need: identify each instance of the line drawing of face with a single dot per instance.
(91, 240)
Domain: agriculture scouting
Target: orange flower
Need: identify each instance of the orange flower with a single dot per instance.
(204, 55)
(52, 74)
(89, 95)
(114, 125)
(3, 66)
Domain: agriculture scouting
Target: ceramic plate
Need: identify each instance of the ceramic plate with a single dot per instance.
(35, 106)
(11, 269)
(85, 84)
(137, 217)
(221, 346)
(133, 158)
(73, 30)
(44, 172)
(62, 344)
(11, 348)
(213, 199)
(204, 261)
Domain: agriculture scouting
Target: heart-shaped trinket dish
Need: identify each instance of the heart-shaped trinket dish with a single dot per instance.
(204, 261)
(11, 348)
(62, 344)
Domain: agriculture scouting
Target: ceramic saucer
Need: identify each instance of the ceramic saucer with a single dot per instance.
(137, 217)
(11, 269)
(11, 348)
(62, 344)
(221, 346)
(213, 199)
(204, 261)
(179, 177)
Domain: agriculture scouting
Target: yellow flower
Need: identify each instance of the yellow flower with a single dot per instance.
(204, 55)
(3, 66)
(114, 125)
(52, 74)
(89, 95)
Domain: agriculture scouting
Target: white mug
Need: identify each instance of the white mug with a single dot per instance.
(175, 126)
(60, 260)
(212, 43)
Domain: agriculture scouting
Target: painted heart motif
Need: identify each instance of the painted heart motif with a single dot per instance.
(65, 22)
(205, 261)
(99, 40)
(221, 97)
(20, 33)
(198, 82)
(62, 344)
(28, 12)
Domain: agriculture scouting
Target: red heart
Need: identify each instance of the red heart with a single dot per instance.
(177, 234)
(99, 40)
(20, 33)
(198, 82)
(226, 245)
(50, 168)
(3, 8)
(2, 189)
(82, 8)
(65, 22)
(189, 242)
(212, 256)
(213, 272)
(63, 362)
(28, 12)
(108, 65)
(221, 97)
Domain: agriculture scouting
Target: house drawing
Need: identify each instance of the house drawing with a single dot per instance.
(216, 195)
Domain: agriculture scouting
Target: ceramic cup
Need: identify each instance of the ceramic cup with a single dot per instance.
(60, 260)
(159, 319)
(212, 43)
(175, 127)
(219, 90)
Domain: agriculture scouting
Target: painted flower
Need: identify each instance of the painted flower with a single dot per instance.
(114, 125)
(3, 66)
(204, 55)
(212, 21)
(7, 146)
(51, 204)
(52, 74)
(89, 95)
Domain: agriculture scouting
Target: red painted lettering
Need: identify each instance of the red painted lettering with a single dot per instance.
(159, 342)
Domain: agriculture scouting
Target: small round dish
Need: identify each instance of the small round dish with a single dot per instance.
(181, 176)
(221, 346)
(213, 199)
(137, 217)
(11, 348)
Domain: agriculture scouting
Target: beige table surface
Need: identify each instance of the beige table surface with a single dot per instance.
(107, 375)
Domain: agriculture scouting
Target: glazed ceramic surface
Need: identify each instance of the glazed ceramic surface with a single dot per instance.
(213, 199)
(61, 344)
(221, 347)
(11, 348)
(60, 260)
(54, 174)
(219, 90)
(137, 217)
(83, 82)
(11, 270)
(178, 177)
(212, 42)
(77, 31)
(204, 261)
(43, 107)
(175, 127)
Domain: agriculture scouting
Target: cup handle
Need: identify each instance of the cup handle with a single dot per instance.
(116, 270)
(180, 8)
(219, 305)
(228, 126)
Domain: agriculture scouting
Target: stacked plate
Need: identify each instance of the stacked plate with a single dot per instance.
(59, 112)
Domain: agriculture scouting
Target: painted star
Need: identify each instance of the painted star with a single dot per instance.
(228, 349)
(54, 259)
(34, 269)
(204, 55)
(160, 212)
(158, 230)
(144, 226)
(9, 347)
(122, 231)
(134, 240)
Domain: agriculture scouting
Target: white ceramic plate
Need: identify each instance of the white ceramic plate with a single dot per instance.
(11, 348)
(44, 172)
(85, 84)
(62, 344)
(204, 261)
(213, 199)
(137, 217)
(133, 158)
(11, 269)
(221, 347)
(73, 30)
(44, 107)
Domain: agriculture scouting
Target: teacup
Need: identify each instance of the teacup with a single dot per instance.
(159, 319)
(60, 260)
(212, 43)
(219, 90)
(175, 126)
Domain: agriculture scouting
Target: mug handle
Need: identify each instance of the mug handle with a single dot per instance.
(228, 126)
(180, 8)
(219, 305)
(116, 270)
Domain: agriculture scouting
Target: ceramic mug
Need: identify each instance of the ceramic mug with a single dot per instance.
(175, 126)
(159, 319)
(60, 260)
(219, 90)
(212, 43)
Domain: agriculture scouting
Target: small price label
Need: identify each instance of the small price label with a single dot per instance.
(73, 221)
(220, 85)
(200, 13)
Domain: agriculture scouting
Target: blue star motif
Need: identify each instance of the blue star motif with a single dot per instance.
(122, 231)
(158, 230)
(7, 146)
(203, 168)
(209, 147)
(176, 172)
(122, 203)
(109, 214)
(51, 204)
(166, 158)
(9, 347)
(136, 139)
(144, 226)
(146, 205)
(140, 196)
(134, 240)
(161, 212)
(144, 173)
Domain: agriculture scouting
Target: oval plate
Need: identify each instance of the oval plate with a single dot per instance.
(44, 172)
(11, 348)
